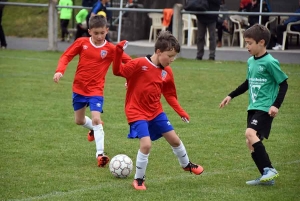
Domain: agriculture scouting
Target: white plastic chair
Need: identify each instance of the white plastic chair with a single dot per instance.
(226, 36)
(156, 25)
(188, 25)
(289, 31)
(237, 30)
(271, 20)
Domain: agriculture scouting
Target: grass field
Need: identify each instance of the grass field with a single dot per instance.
(31, 22)
(45, 156)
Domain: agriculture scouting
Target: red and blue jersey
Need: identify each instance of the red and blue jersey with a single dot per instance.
(92, 66)
(146, 82)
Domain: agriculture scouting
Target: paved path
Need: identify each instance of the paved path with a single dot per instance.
(143, 47)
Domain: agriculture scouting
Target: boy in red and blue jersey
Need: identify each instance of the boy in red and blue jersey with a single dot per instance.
(147, 79)
(95, 56)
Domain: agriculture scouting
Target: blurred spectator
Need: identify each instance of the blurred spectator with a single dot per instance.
(281, 28)
(81, 27)
(207, 22)
(255, 7)
(2, 35)
(88, 3)
(245, 5)
(65, 16)
(167, 18)
(222, 23)
(100, 5)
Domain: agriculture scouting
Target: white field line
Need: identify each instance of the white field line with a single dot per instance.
(28, 58)
(59, 194)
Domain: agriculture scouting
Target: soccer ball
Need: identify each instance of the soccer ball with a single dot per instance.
(120, 166)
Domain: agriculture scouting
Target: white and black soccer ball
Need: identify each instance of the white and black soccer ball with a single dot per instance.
(120, 166)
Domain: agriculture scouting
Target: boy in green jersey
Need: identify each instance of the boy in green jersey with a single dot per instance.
(267, 85)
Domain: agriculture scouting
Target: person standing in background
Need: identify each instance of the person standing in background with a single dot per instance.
(222, 23)
(244, 5)
(255, 7)
(2, 35)
(100, 5)
(65, 15)
(209, 22)
(81, 27)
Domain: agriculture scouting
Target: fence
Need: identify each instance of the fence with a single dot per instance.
(177, 17)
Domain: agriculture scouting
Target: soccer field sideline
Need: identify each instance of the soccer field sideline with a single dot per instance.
(143, 47)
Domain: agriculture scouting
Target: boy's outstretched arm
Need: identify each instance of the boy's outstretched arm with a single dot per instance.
(173, 102)
(117, 61)
(64, 60)
(238, 91)
(169, 92)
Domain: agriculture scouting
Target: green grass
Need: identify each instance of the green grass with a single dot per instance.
(45, 156)
(26, 21)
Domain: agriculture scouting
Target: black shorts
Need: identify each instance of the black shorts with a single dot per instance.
(261, 122)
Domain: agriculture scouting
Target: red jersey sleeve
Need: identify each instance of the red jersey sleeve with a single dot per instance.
(67, 56)
(119, 69)
(125, 58)
(169, 92)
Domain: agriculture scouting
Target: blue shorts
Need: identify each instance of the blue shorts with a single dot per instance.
(95, 102)
(154, 128)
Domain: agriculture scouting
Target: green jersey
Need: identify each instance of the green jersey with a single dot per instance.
(264, 76)
(81, 16)
(65, 13)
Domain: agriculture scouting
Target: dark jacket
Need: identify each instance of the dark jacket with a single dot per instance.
(223, 17)
(214, 5)
(254, 19)
(294, 19)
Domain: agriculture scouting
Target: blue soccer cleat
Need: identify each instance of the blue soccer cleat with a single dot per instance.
(269, 174)
(257, 181)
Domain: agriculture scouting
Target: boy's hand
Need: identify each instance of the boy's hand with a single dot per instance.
(57, 77)
(123, 44)
(185, 117)
(273, 111)
(185, 120)
(225, 101)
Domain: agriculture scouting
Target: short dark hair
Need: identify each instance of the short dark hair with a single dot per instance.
(166, 42)
(258, 32)
(97, 21)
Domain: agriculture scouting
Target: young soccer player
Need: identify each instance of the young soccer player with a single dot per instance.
(267, 86)
(95, 57)
(147, 79)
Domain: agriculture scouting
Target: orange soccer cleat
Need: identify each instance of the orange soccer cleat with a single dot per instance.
(90, 136)
(102, 160)
(194, 168)
(139, 184)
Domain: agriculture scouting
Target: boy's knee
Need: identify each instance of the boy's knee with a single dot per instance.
(250, 133)
(175, 143)
(80, 121)
(145, 148)
(96, 121)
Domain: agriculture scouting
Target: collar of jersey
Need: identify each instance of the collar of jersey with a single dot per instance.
(97, 46)
(256, 58)
(149, 58)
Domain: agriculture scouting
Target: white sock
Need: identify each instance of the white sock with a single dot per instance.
(181, 154)
(88, 123)
(141, 165)
(99, 139)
